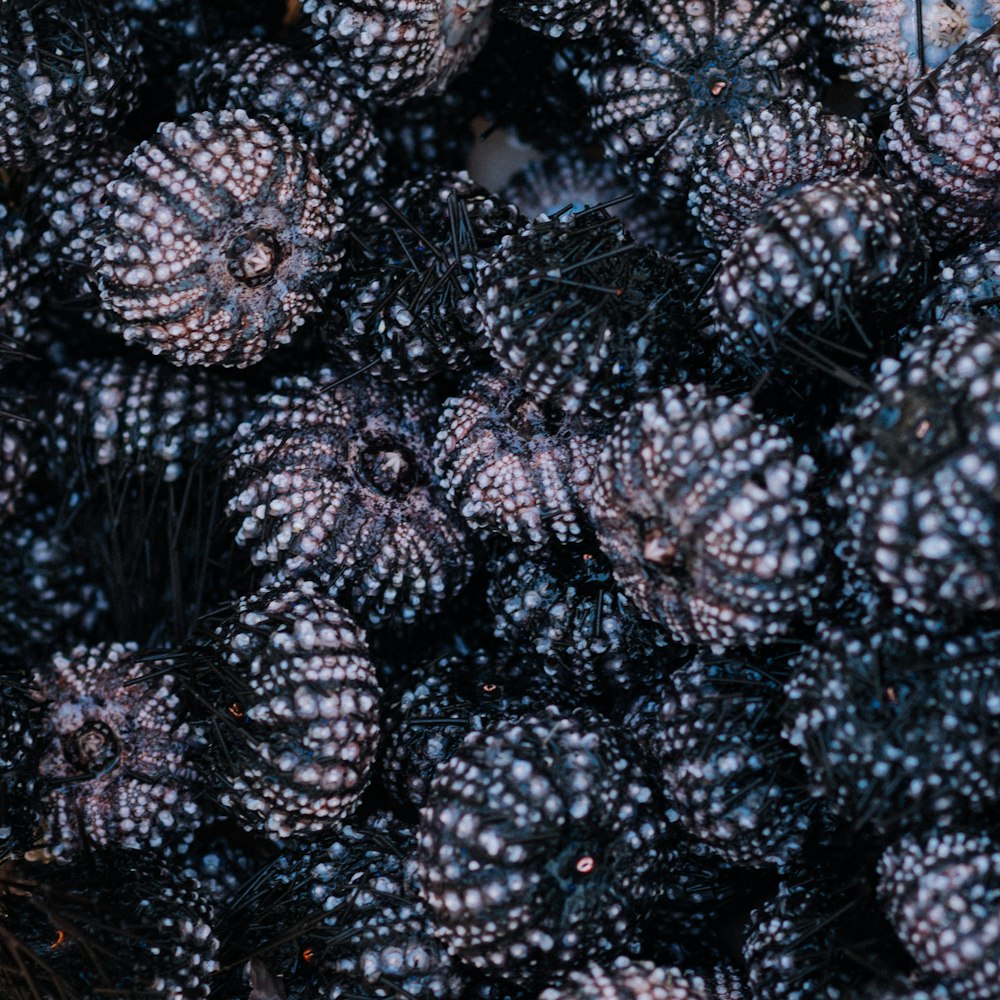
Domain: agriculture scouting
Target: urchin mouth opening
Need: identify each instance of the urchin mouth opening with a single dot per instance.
(92, 749)
(254, 255)
(388, 467)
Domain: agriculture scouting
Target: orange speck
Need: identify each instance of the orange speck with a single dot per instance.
(60, 937)
(308, 954)
(235, 711)
(585, 865)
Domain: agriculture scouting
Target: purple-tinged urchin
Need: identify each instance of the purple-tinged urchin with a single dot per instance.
(942, 893)
(583, 317)
(218, 238)
(70, 71)
(406, 301)
(115, 758)
(683, 71)
(703, 510)
(729, 779)
(943, 145)
(965, 286)
(820, 276)
(922, 456)
(296, 711)
(886, 45)
(317, 105)
(767, 153)
(334, 481)
(511, 471)
(541, 842)
(105, 927)
(400, 48)
(894, 729)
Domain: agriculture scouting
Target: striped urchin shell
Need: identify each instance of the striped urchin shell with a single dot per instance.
(919, 491)
(105, 927)
(115, 767)
(317, 106)
(298, 711)
(729, 778)
(334, 481)
(942, 893)
(582, 316)
(407, 306)
(137, 417)
(893, 732)
(886, 45)
(702, 509)
(69, 72)
(219, 237)
(509, 471)
(766, 153)
(943, 144)
(966, 286)
(401, 48)
(563, 18)
(688, 70)
(625, 979)
(540, 843)
(819, 265)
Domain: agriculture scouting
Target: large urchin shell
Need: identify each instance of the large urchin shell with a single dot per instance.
(541, 841)
(342, 918)
(702, 509)
(885, 46)
(69, 72)
(297, 706)
(317, 105)
(941, 891)
(943, 144)
(820, 265)
(219, 238)
(402, 48)
(580, 315)
(104, 927)
(509, 471)
(768, 152)
(407, 306)
(919, 492)
(682, 74)
(895, 731)
(334, 479)
(115, 766)
(728, 777)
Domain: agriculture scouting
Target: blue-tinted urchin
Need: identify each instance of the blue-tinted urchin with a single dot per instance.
(703, 510)
(943, 145)
(680, 73)
(966, 285)
(894, 729)
(218, 238)
(919, 492)
(334, 481)
(729, 779)
(563, 18)
(293, 703)
(541, 842)
(885, 46)
(820, 277)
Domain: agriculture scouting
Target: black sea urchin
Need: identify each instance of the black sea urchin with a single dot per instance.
(296, 707)
(703, 511)
(219, 238)
(541, 842)
(334, 481)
